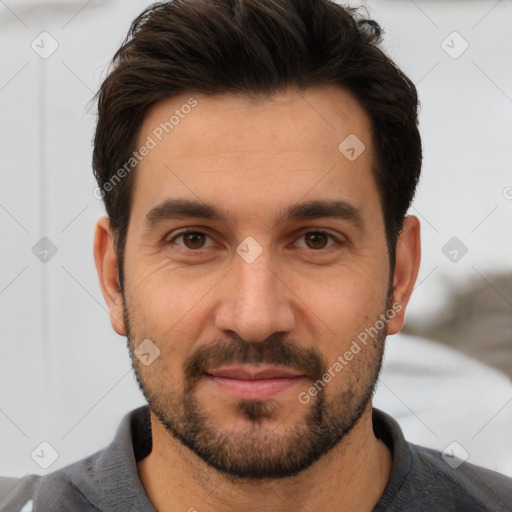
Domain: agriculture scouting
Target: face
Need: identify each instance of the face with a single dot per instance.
(256, 264)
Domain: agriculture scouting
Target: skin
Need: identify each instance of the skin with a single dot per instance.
(254, 157)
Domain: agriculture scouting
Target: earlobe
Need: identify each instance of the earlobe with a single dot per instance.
(408, 257)
(108, 273)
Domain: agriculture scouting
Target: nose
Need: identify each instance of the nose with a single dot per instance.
(256, 301)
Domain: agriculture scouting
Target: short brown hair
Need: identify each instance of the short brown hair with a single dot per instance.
(256, 46)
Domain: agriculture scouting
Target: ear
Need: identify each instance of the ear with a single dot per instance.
(108, 273)
(408, 257)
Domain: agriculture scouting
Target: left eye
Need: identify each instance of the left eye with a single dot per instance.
(191, 240)
(317, 240)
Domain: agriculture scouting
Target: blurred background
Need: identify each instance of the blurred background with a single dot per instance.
(65, 376)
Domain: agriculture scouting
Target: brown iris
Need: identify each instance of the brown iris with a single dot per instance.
(194, 240)
(316, 240)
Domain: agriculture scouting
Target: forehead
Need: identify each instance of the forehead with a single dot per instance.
(250, 152)
(317, 116)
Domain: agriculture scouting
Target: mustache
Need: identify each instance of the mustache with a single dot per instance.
(274, 350)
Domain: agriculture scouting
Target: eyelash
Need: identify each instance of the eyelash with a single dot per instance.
(194, 231)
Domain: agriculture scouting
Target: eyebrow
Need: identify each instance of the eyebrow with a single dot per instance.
(336, 209)
(179, 208)
(315, 209)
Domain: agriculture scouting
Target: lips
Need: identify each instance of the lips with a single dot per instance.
(239, 372)
(253, 383)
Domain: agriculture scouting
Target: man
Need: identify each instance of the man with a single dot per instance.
(257, 159)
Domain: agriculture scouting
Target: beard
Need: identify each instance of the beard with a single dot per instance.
(259, 451)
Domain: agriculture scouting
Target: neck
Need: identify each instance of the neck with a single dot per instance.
(353, 475)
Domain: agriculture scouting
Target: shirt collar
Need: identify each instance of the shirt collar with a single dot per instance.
(111, 481)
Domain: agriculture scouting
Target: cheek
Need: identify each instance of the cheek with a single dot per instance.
(351, 331)
(343, 315)
(169, 308)
(163, 295)
(347, 299)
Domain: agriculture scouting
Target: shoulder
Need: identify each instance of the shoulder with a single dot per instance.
(423, 479)
(105, 480)
(54, 492)
(465, 485)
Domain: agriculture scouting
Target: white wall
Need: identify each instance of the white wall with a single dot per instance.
(64, 375)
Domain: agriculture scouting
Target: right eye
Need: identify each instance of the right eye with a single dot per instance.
(192, 240)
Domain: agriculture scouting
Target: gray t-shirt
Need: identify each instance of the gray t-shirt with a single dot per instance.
(107, 481)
